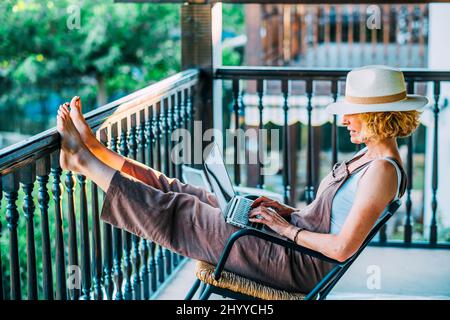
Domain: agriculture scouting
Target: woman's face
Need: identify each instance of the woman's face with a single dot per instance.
(354, 125)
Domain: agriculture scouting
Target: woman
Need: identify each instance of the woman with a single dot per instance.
(187, 220)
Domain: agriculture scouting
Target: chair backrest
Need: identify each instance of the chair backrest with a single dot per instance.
(331, 279)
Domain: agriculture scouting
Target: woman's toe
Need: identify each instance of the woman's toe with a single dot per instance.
(65, 108)
(75, 103)
(59, 123)
(78, 103)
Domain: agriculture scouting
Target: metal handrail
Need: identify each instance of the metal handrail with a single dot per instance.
(297, 73)
(24, 152)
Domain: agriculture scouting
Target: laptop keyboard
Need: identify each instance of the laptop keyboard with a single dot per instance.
(241, 213)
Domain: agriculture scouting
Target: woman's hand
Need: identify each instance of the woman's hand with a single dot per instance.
(270, 218)
(283, 210)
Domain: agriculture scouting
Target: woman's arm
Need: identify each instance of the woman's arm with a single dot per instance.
(376, 189)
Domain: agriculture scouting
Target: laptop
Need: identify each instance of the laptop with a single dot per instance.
(235, 208)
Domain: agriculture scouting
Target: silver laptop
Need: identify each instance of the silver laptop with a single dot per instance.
(235, 208)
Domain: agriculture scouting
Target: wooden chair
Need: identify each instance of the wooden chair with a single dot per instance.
(216, 280)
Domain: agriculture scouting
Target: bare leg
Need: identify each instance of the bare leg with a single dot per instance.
(76, 157)
(131, 167)
(109, 157)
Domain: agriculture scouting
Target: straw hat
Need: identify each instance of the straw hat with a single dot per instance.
(376, 89)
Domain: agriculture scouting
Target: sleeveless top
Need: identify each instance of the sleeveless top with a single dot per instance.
(345, 196)
(316, 217)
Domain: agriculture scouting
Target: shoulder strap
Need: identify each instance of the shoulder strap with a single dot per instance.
(363, 150)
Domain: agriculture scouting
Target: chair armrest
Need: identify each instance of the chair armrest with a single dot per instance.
(279, 241)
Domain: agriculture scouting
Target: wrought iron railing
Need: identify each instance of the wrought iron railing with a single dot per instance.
(113, 264)
(260, 93)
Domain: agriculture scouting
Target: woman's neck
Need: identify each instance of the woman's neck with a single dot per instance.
(382, 148)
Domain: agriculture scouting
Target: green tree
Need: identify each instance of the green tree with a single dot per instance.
(95, 49)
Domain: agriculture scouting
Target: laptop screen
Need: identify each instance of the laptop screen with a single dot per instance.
(218, 177)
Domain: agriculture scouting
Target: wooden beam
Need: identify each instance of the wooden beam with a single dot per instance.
(201, 40)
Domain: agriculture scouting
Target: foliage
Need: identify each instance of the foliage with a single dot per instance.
(45, 58)
(233, 18)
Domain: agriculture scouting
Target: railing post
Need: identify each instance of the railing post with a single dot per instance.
(166, 126)
(158, 128)
(173, 126)
(147, 158)
(60, 264)
(96, 245)
(84, 239)
(73, 247)
(434, 181)
(261, 145)
(108, 260)
(27, 178)
(334, 134)
(116, 233)
(286, 144)
(106, 242)
(236, 146)
(408, 203)
(178, 124)
(309, 188)
(11, 186)
(152, 267)
(150, 145)
(124, 150)
(133, 121)
(42, 173)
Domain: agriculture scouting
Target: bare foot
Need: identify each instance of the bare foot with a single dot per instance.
(73, 151)
(80, 123)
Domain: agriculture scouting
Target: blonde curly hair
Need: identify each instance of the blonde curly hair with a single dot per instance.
(382, 125)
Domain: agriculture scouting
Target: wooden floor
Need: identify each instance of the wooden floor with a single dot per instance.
(404, 274)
